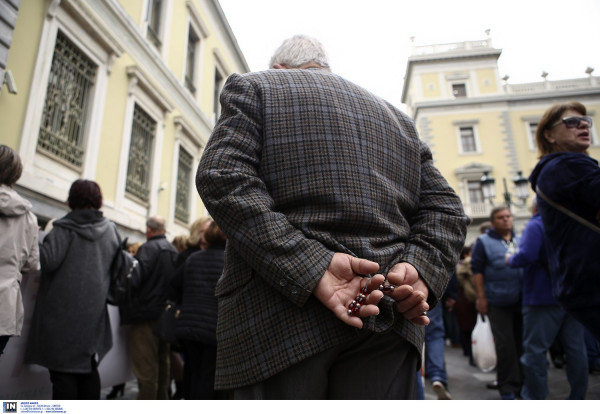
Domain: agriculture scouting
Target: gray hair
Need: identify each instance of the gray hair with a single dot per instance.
(299, 50)
(156, 223)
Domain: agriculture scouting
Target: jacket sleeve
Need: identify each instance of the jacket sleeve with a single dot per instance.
(529, 247)
(229, 184)
(32, 262)
(437, 228)
(54, 249)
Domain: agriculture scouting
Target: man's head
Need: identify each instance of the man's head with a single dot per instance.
(154, 226)
(501, 219)
(300, 52)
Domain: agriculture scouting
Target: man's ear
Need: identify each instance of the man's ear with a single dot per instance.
(280, 66)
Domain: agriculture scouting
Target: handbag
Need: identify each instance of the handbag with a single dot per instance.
(482, 344)
(166, 324)
(121, 272)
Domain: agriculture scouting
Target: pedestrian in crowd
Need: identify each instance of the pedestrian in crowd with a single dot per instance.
(466, 314)
(318, 184)
(195, 282)
(195, 241)
(19, 251)
(180, 242)
(567, 181)
(435, 341)
(70, 328)
(592, 346)
(544, 320)
(149, 354)
(133, 248)
(451, 328)
(499, 296)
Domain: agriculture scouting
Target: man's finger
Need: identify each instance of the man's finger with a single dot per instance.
(363, 266)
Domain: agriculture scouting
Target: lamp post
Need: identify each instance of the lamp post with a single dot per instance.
(489, 190)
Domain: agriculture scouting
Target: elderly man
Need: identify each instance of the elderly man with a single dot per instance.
(499, 296)
(318, 184)
(149, 354)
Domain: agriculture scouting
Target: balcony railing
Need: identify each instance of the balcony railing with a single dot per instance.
(451, 47)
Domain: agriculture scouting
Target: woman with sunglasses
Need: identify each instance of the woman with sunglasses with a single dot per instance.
(568, 177)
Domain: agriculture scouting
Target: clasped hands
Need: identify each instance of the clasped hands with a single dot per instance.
(342, 282)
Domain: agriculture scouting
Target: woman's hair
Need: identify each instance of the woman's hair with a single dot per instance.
(214, 236)
(85, 194)
(196, 230)
(299, 50)
(11, 167)
(133, 248)
(550, 117)
(180, 242)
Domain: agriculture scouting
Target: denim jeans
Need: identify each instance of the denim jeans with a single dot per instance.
(435, 366)
(541, 325)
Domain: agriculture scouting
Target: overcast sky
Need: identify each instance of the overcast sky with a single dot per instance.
(368, 41)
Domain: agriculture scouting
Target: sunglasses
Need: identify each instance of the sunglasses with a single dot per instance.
(574, 121)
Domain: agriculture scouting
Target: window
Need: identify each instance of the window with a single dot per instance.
(459, 90)
(143, 130)
(532, 128)
(468, 144)
(63, 125)
(154, 22)
(190, 63)
(219, 81)
(182, 196)
(475, 192)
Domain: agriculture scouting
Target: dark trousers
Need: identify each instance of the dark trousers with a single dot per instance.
(372, 366)
(507, 328)
(199, 371)
(3, 342)
(69, 386)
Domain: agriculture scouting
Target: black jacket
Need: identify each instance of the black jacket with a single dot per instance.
(156, 267)
(196, 280)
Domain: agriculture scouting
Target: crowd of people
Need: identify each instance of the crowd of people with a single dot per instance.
(334, 250)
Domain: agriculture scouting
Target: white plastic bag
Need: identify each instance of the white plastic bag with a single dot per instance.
(482, 344)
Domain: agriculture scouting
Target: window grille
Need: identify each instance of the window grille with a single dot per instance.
(64, 116)
(184, 173)
(140, 154)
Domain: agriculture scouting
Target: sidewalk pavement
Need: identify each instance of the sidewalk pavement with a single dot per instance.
(465, 382)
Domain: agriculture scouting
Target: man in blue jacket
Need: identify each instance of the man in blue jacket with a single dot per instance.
(499, 296)
(544, 320)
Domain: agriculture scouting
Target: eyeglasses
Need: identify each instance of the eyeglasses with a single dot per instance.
(574, 121)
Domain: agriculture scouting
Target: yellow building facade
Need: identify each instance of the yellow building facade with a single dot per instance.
(122, 92)
(475, 122)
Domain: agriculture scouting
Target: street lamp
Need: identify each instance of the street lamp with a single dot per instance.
(489, 190)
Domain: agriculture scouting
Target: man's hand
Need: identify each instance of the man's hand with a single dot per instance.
(410, 294)
(340, 284)
(481, 304)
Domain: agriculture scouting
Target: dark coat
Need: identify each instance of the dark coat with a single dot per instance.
(70, 321)
(197, 280)
(156, 260)
(573, 181)
(303, 164)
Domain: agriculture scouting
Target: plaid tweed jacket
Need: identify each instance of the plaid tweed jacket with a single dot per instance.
(303, 164)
